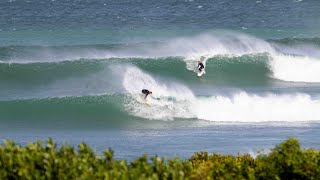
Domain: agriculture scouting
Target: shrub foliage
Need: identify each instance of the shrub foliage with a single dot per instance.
(46, 161)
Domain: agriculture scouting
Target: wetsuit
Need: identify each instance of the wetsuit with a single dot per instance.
(145, 91)
(200, 66)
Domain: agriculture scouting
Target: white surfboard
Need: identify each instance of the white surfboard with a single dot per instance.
(200, 73)
(148, 103)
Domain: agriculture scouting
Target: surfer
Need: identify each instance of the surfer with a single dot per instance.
(200, 66)
(146, 92)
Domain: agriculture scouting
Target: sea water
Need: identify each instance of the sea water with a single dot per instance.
(74, 70)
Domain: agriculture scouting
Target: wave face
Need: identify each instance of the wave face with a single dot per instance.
(247, 79)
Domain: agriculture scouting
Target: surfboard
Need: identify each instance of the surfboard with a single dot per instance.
(148, 103)
(200, 73)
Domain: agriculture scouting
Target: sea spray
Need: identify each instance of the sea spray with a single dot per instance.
(135, 80)
(169, 101)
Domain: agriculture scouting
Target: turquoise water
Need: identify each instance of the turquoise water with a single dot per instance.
(74, 70)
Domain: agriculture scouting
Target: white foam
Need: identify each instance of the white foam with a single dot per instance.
(242, 107)
(160, 109)
(295, 68)
(134, 80)
(168, 94)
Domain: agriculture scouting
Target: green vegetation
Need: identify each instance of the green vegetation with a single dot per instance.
(46, 161)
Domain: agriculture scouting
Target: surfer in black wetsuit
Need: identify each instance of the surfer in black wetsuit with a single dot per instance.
(146, 92)
(200, 66)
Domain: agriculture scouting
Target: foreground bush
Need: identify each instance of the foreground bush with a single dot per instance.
(46, 161)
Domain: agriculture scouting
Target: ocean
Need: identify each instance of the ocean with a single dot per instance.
(73, 70)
